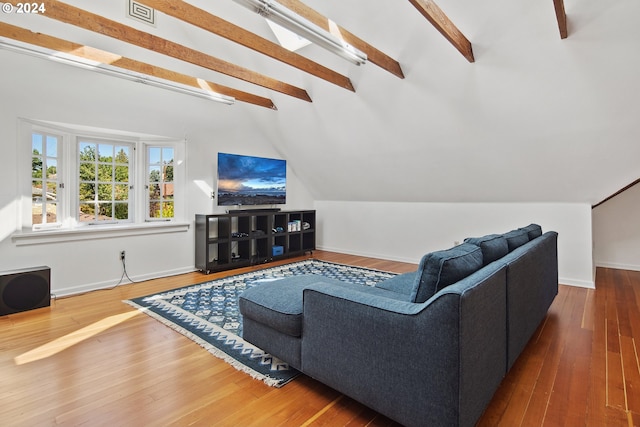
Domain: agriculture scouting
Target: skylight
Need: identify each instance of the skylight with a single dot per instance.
(288, 39)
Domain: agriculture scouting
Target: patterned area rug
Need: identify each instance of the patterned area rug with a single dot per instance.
(208, 313)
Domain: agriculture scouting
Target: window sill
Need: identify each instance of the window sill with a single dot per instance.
(29, 237)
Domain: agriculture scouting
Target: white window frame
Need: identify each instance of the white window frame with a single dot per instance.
(68, 228)
(59, 182)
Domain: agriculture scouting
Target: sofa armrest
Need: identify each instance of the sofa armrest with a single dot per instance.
(404, 359)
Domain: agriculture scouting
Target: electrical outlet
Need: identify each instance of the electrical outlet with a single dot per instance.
(122, 255)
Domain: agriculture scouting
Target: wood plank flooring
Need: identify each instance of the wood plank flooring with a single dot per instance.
(92, 360)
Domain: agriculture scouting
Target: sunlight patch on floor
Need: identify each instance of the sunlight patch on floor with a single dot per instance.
(62, 343)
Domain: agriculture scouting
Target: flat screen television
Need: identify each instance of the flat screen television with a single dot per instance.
(249, 180)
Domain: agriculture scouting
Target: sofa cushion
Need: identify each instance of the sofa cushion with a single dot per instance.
(494, 246)
(440, 269)
(402, 284)
(516, 238)
(278, 304)
(533, 230)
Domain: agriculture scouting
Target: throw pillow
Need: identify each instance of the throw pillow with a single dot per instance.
(533, 230)
(440, 269)
(494, 246)
(516, 238)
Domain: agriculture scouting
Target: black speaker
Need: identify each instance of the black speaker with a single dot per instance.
(24, 289)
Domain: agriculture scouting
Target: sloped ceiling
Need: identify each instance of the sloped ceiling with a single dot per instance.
(534, 118)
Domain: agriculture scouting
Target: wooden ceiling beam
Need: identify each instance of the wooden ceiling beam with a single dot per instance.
(216, 25)
(72, 15)
(561, 16)
(443, 24)
(112, 59)
(374, 55)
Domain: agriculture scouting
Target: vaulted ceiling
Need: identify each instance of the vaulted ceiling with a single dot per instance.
(459, 101)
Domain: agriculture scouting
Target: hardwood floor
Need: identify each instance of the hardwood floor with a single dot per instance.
(93, 360)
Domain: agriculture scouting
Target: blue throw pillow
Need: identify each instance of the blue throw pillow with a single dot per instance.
(440, 269)
(533, 230)
(494, 246)
(516, 238)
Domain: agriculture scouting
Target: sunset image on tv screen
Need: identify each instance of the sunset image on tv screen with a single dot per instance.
(249, 180)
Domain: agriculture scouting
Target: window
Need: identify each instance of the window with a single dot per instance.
(104, 169)
(160, 182)
(83, 178)
(45, 180)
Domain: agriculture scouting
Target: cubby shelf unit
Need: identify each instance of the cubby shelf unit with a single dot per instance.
(240, 239)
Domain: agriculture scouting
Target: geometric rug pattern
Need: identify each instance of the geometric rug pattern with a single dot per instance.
(207, 313)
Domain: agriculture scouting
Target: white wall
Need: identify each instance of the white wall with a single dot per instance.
(406, 231)
(73, 96)
(616, 231)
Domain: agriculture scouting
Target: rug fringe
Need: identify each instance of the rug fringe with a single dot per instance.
(272, 382)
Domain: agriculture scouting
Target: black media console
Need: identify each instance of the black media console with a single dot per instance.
(240, 239)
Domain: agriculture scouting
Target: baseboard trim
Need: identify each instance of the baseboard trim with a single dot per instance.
(368, 254)
(618, 266)
(108, 284)
(590, 284)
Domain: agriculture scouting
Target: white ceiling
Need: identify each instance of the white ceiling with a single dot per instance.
(534, 118)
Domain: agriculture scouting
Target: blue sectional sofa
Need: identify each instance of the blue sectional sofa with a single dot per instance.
(427, 348)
